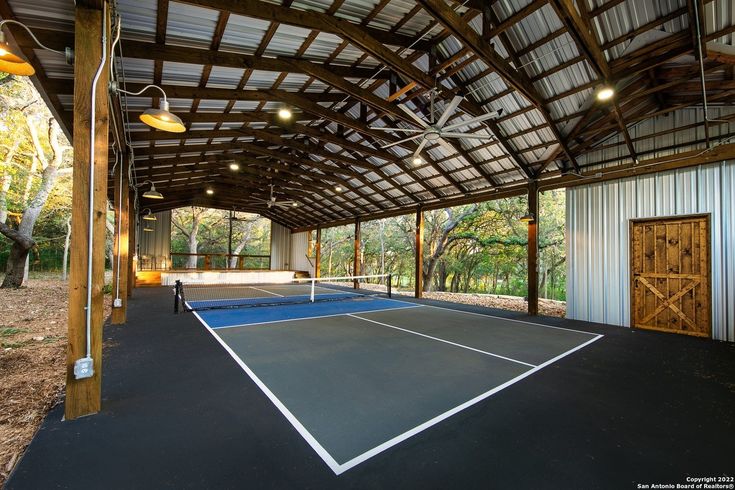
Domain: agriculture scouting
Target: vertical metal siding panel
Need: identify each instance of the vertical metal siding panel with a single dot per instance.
(280, 247)
(299, 247)
(156, 244)
(598, 268)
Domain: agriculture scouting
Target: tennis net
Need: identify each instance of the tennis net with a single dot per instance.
(192, 296)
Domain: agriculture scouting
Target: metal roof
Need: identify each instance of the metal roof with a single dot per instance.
(550, 121)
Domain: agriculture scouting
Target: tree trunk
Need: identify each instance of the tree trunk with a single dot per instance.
(15, 270)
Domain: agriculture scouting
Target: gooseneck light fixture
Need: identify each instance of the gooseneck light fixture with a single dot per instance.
(149, 216)
(160, 118)
(14, 64)
(152, 193)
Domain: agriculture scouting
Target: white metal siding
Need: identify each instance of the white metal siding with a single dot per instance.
(299, 247)
(155, 246)
(598, 268)
(280, 247)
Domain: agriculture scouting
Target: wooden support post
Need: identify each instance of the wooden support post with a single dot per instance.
(132, 255)
(419, 281)
(356, 268)
(318, 253)
(83, 396)
(120, 268)
(533, 249)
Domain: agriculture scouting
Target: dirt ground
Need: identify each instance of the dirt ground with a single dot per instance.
(32, 362)
(546, 307)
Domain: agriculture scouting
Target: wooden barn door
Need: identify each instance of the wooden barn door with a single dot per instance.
(670, 275)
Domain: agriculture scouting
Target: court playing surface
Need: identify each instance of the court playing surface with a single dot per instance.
(358, 376)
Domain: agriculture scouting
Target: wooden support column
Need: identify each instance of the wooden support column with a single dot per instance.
(419, 292)
(83, 396)
(533, 249)
(318, 252)
(356, 268)
(120, 268)
(132, 256)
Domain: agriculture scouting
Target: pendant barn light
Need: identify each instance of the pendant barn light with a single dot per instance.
(210, 192)
(14, 64)
(285, 113)
(160, 118)
(152, 193)
(605, 93)
(147, 229)
(149, 216)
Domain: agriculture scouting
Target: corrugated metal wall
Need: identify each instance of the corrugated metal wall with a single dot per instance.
(154, 247)
(598, 268)
(280, 247)
(299, 249)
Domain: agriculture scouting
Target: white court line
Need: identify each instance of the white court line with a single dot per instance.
(508, 319)
(341, 468)
(314, 317)
(442, 340)
(402, 437)
(269, 292)
(333, 465)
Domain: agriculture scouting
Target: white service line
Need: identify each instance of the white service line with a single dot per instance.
(333, 465)
(508, 319)
(269, 292)
(419, 428)
(315, 317)
(442, 340)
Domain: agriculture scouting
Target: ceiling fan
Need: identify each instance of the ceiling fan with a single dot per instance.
(273, 202)
(436, 129)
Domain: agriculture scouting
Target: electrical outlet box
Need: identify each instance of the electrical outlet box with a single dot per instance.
(83, 368)
(117, 303)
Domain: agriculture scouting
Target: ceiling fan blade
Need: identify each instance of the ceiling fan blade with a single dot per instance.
(399, 129)
(403, 140)
(449, 110)
(421, 147)
(468, 136)
(484, 117)
(414, 116)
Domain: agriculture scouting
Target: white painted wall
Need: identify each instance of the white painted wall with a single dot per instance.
(154, 247)
(299, 248)
(598, 267)
(280, 247)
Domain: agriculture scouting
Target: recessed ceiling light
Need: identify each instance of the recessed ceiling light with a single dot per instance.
(605, 93)
(338, 188)
(284, 113)
(295, 204)
(234, 166)
(417, 161)
(210, 191)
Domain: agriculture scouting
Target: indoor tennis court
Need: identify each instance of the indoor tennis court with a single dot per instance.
(356, 373)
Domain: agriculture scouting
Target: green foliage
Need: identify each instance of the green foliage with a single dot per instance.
(485, 251)
(20, 107)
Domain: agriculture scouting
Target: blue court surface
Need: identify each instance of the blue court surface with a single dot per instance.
(359, 376)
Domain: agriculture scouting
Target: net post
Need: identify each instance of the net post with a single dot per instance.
(390, 285)
(177, 291)
(311, 295)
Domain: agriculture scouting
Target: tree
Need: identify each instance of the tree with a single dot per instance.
(188, 224)
(33, 157)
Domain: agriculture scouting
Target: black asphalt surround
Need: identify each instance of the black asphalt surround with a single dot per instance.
(178, 412)
(355, 385)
